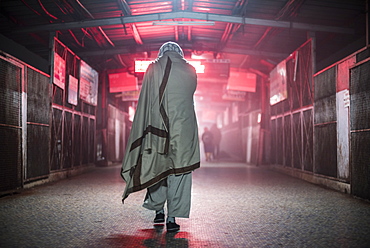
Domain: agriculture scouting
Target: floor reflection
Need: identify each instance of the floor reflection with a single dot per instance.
(161, 238)
(156, 237)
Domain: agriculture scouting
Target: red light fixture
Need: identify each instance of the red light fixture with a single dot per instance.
(142, 65)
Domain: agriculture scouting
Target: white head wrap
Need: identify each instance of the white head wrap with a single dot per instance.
(170, 46)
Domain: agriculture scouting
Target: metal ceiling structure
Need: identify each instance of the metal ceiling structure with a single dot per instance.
(252, 34)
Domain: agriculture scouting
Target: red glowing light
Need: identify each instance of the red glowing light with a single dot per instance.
(142, 65)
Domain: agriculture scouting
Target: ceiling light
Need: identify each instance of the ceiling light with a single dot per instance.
(183, 23)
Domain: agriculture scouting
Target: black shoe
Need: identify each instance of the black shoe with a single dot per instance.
(159, 218)
(172, 227)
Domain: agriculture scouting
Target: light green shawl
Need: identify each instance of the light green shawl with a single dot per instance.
(158, 147)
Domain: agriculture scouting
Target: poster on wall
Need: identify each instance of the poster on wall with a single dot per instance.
(88, 84)
(59, 71)
(73, 90)
(278, 83)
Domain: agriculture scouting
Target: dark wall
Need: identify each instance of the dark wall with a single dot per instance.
(23, 54)
(360, 126)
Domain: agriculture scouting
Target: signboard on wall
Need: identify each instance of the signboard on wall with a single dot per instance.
(59, 77)
(73, 90)
(278, 83)
(89, 79)
(121, 82)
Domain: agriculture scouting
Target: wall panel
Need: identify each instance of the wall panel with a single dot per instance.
(10, 126)
(360, 130)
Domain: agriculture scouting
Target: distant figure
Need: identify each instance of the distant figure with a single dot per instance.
(207, 139)
(163, 147)
(216, 132)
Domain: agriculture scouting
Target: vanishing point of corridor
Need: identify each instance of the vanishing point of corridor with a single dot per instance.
(234, 205)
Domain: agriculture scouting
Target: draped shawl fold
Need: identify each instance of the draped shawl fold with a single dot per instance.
(164, 135)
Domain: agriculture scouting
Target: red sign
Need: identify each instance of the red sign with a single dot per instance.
(59, 71)
(242, 81)
(120, 82)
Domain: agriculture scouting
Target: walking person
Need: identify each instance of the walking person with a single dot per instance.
(216, 133)
(163, 147)
(207, 139)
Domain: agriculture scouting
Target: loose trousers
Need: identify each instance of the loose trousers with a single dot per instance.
(176, 190)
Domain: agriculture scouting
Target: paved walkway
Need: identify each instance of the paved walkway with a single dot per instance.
(234, 205)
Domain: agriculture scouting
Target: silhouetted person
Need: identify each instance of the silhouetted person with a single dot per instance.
(163, 147)
(216, 132)
(207, 139)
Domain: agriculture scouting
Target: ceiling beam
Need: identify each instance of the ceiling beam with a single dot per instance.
(126, 11)
(190, 5)
(232, 27)
(290, 9)
(189, 33)
(136, 34)
(155, 47)
(124, 7)
(184, 14)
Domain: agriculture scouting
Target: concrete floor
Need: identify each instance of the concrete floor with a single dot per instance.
(234, 205)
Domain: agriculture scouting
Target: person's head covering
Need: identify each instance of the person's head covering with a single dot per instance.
(170, 46)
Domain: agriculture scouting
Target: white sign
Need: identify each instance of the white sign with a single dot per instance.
(88, 84)
(346, 99)
(278, 83)
(73, 90)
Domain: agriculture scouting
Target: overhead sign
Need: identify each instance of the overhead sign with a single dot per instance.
(121, 82)
(141, 65)
(131, 95)
(233, 95)
(216, 68)
(242, 81)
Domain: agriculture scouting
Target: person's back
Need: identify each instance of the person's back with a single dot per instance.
(216, 140)
(181, 86)
(163, 147)
(216, 134)
(207, 139)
